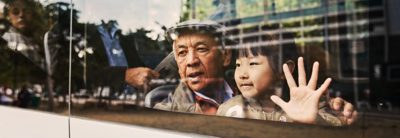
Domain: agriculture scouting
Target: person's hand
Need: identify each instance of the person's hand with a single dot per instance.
(304, 98)
(140, 77)
(344, 110)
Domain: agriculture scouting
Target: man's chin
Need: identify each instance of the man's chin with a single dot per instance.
(195, 87)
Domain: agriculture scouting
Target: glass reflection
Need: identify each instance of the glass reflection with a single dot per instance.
(120, 52)
(25, 77)
(137, 53)
(316, 25)
(333, 33)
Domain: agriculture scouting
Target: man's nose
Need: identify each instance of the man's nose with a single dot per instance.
(192, 59)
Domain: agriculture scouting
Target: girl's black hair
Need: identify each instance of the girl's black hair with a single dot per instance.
(277, 53)
(270, 51)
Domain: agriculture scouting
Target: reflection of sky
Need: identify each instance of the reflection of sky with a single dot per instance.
(130, 14)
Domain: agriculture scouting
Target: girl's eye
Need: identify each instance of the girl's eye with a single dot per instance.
(237, 65)
(254, 63)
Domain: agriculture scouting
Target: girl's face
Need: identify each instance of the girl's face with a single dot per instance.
(253, 75)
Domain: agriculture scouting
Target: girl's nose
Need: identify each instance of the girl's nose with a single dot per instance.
(244, 75)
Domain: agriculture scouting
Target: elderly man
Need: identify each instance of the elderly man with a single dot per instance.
(202, 59)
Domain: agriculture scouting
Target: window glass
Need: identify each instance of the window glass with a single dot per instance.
(179, 64)
(33, 61)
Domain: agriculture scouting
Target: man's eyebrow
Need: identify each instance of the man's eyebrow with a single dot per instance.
(200, 43)
(181, 46)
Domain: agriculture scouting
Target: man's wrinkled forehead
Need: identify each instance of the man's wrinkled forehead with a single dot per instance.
(188, 31)
(192, 37)
(198, 36)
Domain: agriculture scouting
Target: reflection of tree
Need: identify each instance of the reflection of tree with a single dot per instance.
(58, 39)
(142, 41)
(54, 19)
(58, 42)
(286, 5)
(306, 31)
(151, 51)
(204, 8)
(185, 14)
(248, 8)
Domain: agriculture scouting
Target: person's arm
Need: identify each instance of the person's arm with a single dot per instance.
(139, 76)
(136, 74)
(100, 73)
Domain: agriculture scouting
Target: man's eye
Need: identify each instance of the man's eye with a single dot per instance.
(182, 53)
(202, 49)
(254, 63)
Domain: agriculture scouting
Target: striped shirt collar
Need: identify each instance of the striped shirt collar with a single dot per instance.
(228, 94)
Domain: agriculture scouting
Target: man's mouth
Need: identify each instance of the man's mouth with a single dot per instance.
(195, 76)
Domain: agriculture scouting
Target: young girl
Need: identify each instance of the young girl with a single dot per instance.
(260, 81)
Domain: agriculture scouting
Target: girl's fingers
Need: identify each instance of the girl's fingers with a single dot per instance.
(312, 83)
(278, 101)
(352, 119)
(348, 110)
(288, 75)
(336, 103)
(302, 72)
(324, 86)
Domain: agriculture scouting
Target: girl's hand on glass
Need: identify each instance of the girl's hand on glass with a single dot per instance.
(304, 98)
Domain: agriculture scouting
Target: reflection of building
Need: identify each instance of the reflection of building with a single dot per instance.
(348, 37)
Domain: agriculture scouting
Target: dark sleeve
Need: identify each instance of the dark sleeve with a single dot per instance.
(168, 67)
(132, 56)
(99, 72)
(111, 76)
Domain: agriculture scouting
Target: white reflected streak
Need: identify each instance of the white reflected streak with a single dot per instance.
(131, 14)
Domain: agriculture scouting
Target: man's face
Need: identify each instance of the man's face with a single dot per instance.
(199, 60)
(20, 15)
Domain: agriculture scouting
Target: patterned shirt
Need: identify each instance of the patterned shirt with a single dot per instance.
(114, 51)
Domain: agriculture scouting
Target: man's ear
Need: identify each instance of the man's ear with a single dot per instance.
(291, 65)
(227, 54)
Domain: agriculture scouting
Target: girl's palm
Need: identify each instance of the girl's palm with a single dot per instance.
(304, 98)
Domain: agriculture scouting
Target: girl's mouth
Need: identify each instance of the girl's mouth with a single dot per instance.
(246, 86)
